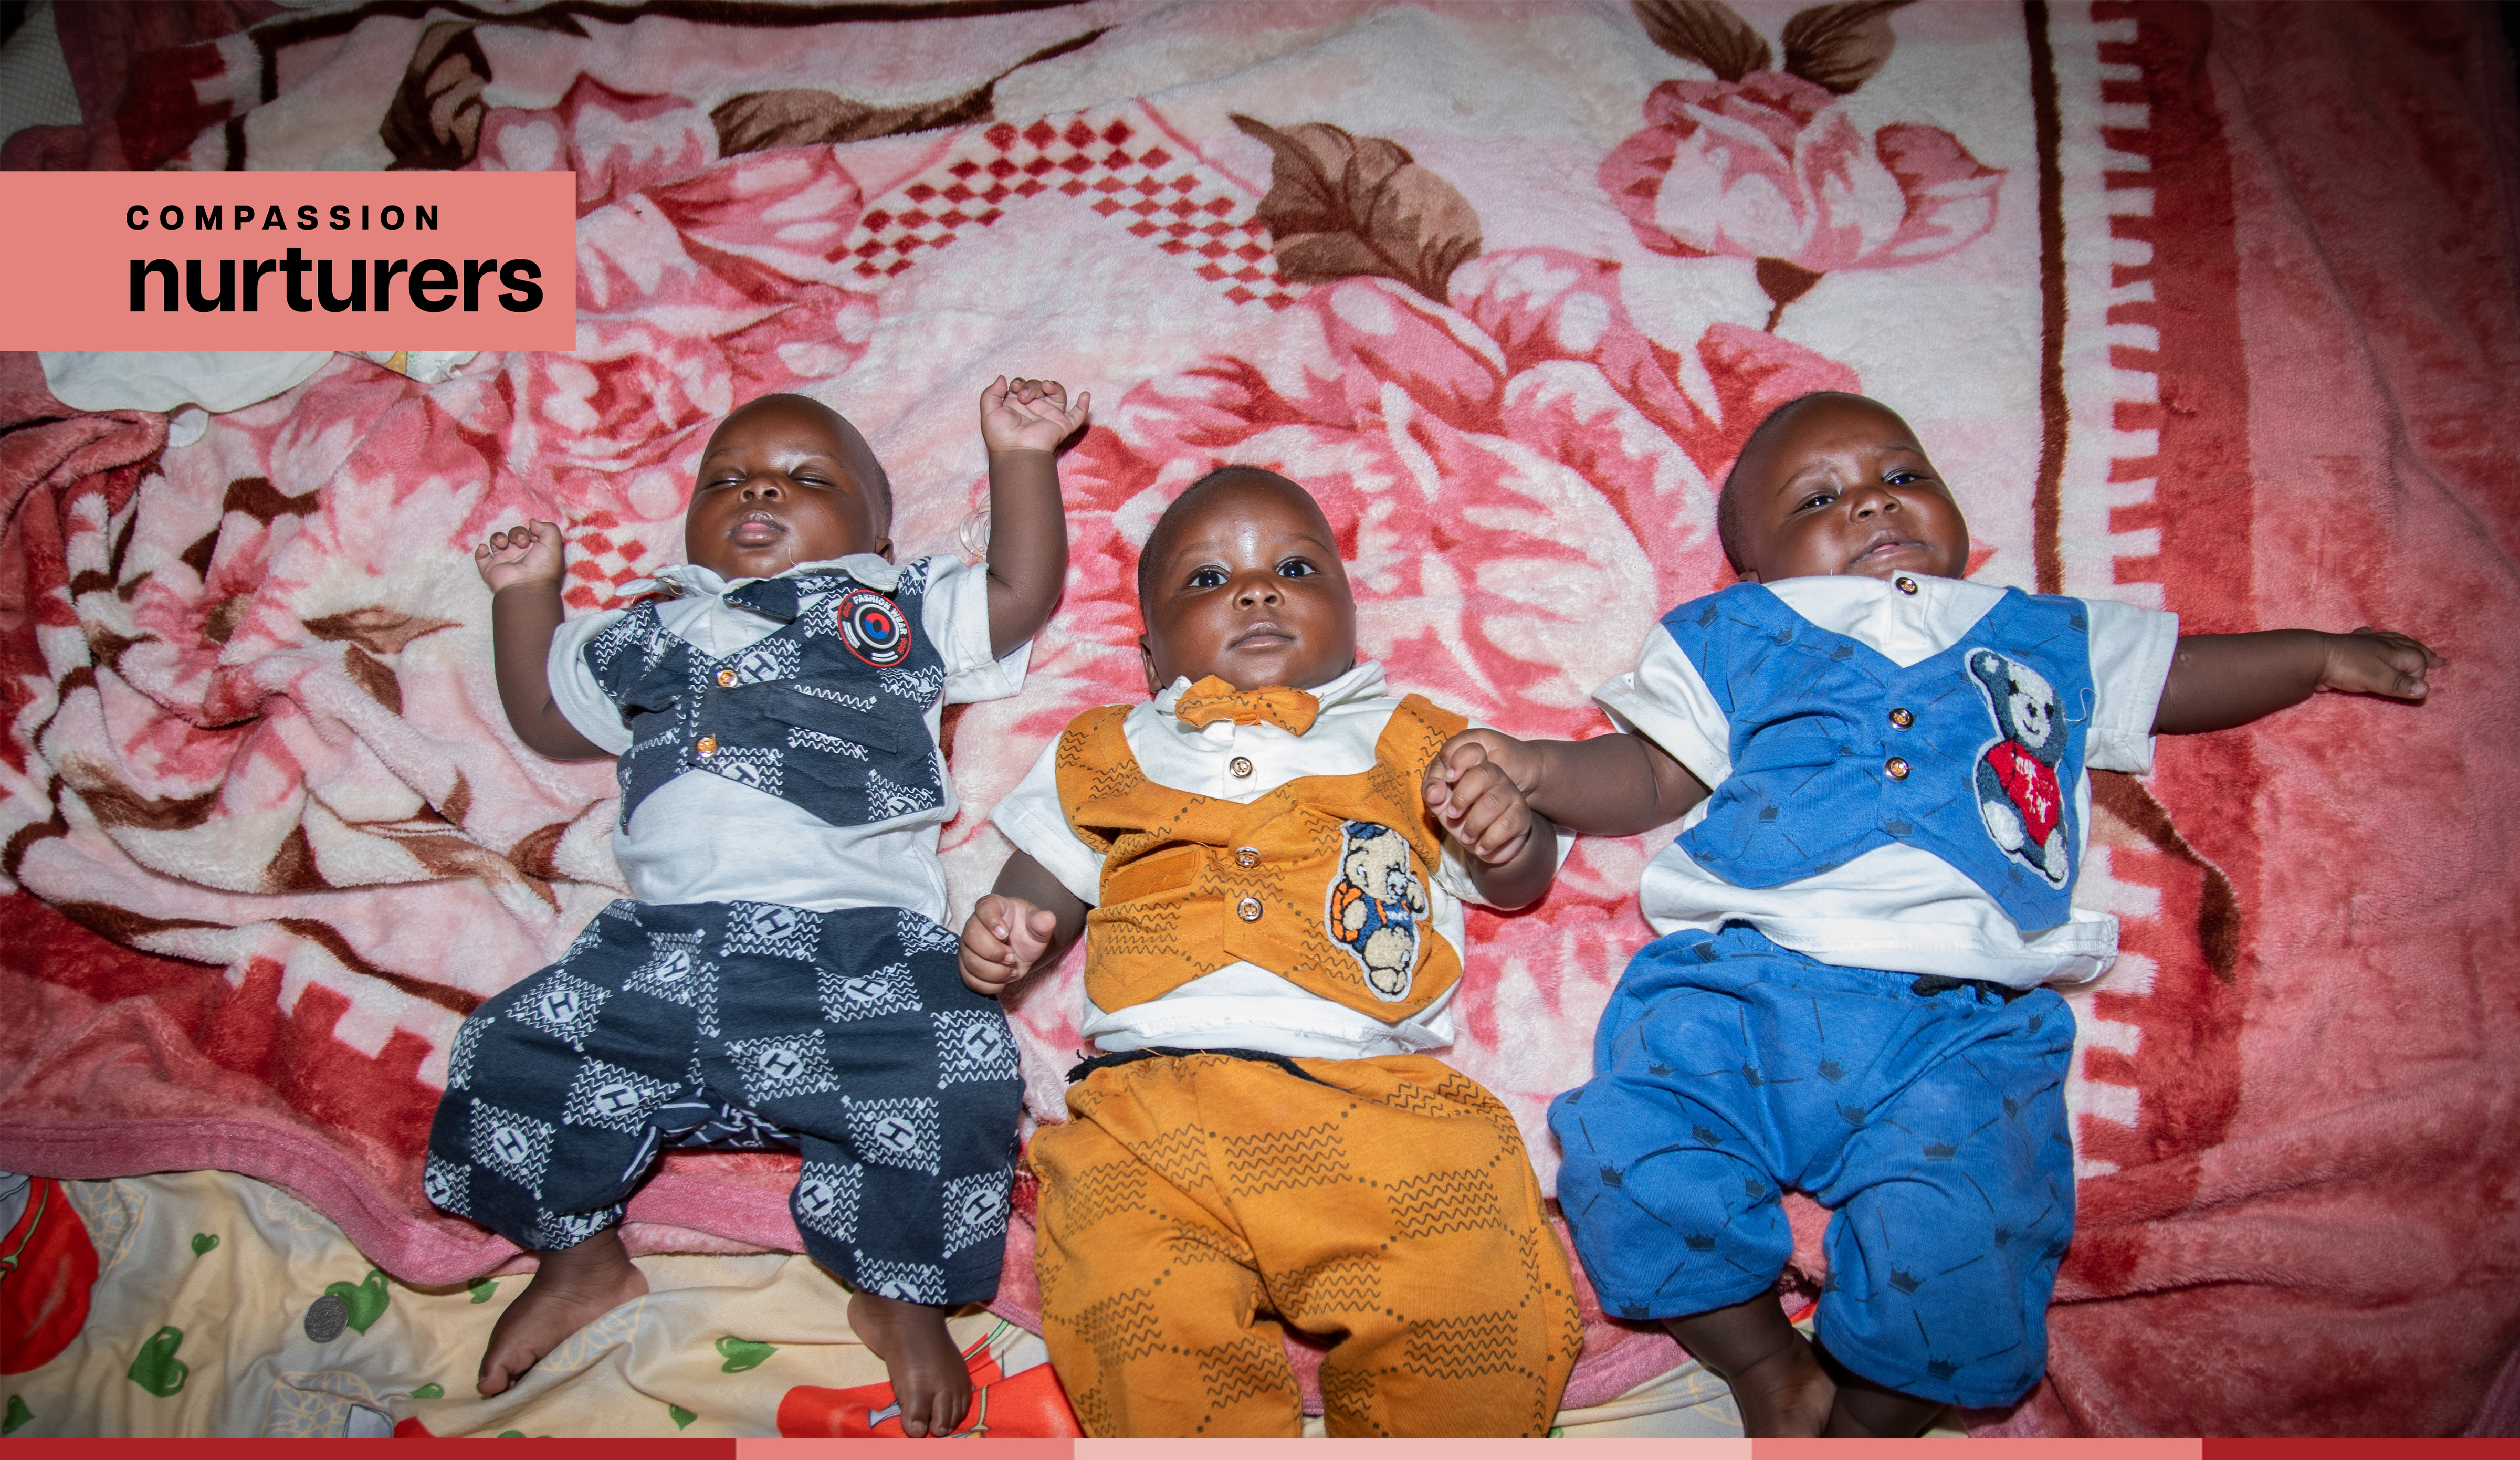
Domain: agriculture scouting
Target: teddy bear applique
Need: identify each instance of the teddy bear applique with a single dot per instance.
(2018, 793)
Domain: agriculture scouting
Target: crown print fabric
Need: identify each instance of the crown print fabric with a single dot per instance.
(1507, 288)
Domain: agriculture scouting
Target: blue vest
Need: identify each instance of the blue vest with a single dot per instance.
(1972, 754)
(829, 712)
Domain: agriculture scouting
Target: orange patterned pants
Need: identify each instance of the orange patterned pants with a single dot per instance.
(1191, 1206)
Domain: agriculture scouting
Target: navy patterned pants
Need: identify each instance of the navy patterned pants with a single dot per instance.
(847, 1036)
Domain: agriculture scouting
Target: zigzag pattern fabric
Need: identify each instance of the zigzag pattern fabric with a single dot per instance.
(1386, 1206)
(1191, 881)
(826, 712)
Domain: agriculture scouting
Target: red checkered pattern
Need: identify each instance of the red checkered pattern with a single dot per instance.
(604, 555)
(1186, 208)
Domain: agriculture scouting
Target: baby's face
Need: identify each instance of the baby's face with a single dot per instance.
(1841, 486)
(775, 490)
(1249, 589)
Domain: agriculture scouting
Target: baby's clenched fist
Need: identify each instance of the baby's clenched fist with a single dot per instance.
(1005, 937)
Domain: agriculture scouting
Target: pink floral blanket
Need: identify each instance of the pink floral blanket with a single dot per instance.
(1506, 286)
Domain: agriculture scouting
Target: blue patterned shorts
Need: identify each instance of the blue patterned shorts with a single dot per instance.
(1927, 1115)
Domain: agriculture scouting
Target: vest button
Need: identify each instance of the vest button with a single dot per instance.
(1902, 718)
(1248, 909)
(1904, 584)
(1246, 856)
(1897, 766)
(707, 745)
(1240, 765)
(726, 677)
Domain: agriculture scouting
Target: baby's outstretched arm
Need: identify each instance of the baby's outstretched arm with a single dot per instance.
(1608, 786)
(522, 566)
(1024, 923)
(1022, 422)
(2221, 680)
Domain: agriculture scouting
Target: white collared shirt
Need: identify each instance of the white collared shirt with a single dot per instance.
(1240, 1005)
(1896, 908)
(701, 838)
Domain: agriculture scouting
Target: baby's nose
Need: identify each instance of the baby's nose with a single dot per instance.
(761, 487)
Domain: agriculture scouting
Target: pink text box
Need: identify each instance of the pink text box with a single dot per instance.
(495, 254)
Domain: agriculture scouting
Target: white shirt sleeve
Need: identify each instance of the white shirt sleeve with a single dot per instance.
(2132, 650)
(573, 686)
(957, 621)
(1666, 701)
(1032, 819)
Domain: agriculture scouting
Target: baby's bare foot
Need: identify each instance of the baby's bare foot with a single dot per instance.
(929, 1381)
(1785, 1394)
(572, 1288)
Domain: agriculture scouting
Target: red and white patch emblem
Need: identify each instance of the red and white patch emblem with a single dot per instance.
(873, 628)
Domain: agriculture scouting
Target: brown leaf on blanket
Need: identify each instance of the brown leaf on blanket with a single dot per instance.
(374, 675)
(804, 117)
(198, 557)
(807, 116)
(1340, 206)
(375, 629)
(457, 800)
(1840, 46)
(447, 854)
(116, 804)
(125, 926)
(329, 937)
(537, 852)
(257, 498)
(2217, 909)
(108, 646)
(220, 624)
(434, 122)
(292, 868)
(1708, 33)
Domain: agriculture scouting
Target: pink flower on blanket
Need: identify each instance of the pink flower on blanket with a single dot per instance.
(614, 142)
(1770, 167)
(692, 297)
(1520, 482)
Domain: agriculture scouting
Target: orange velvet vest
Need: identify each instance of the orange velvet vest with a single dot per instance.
(1323, 882)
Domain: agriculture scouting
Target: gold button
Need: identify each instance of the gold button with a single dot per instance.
(1902, 718)
(707, 745)
(1248, 909)
(726, 677)
(1240, 765)
(1904, 584)
(1246, 856)
(1897, 767)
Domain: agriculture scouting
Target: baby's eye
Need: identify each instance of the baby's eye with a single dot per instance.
(1902, 479)
(1820, 499)
(1207, 577)
(1296, 567)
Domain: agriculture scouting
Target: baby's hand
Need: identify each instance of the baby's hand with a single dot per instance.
(519, 555)
(1029, 415)
(2376, 661)
(1003, 941)
(1475, 786)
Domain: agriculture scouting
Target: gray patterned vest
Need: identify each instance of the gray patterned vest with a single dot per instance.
(829, 712)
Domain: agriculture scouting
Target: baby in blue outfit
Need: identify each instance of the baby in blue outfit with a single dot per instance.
(1885, 774)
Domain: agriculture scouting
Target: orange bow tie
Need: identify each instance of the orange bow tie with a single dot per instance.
(1211, 699)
